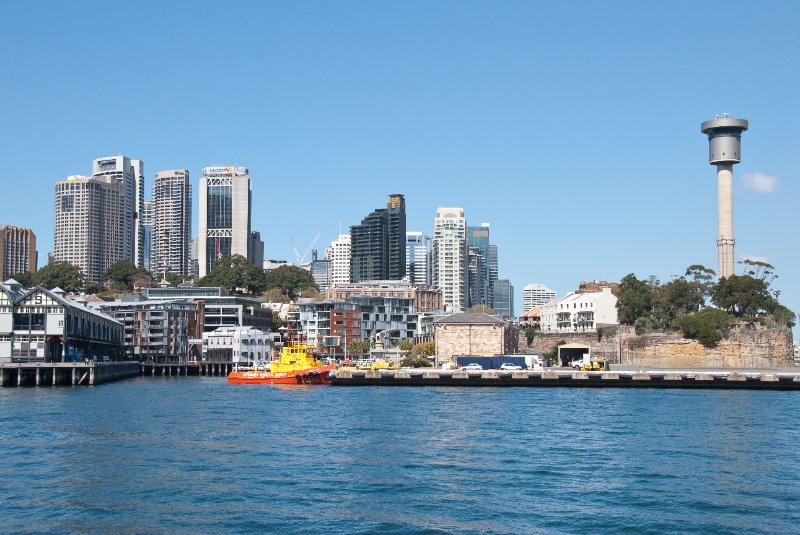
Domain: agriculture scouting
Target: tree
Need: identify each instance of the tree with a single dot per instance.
(423, 349)
(60, 274)
(707, 326)
(406, 345)
(274, 295)
(782, 315)
(277, 322)
(530, 332)
(237, 274)
(120, 275)
(634, 299)
(292, 281)
(415, 361)
(25, 278)
(743, 296)
(552, 354)
(680, 297)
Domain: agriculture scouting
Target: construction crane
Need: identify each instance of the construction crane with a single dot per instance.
(302, 258)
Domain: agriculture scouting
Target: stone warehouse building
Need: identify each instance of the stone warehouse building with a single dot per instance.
(473, 334)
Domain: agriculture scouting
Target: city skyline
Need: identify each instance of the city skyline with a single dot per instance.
(506, 111)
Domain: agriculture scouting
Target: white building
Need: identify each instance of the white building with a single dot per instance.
(418, 254)
(131, 174)
(580, 312)
(245, 346)
(449, 257)
(338, 252)
(89, 229)
(535, 295)
(172, 198)
(225, 205)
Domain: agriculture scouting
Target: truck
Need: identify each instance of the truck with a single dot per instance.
(494, 362)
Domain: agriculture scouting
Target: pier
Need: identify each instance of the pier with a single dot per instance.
(209, 369)
(563, 377)
(65, 373)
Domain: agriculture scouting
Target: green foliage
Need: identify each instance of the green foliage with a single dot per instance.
(782, 315)
(743, 296)
(706, 326)
(423, 349)
(292, 281)
(60, 274)
(360, 347)
(237, 274)
(122, 274)
(642, 325)
(530, 333)
(634, 299)
(406, 345)
(552, 353)
(277, 322)
(25, 278)
(415, 361)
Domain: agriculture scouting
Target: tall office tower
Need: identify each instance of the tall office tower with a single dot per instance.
(450, 257)
(536, 295)
(320, 271)
(172, 196)
(504, 298)
(17, 251)
(418, 258)
(225, 206)
(89, 224)
(378, 244)
(493, 270)
(478, 237)
(131, 174)
(724, 150)
(256, 249)
(194, 263)
(338, 252)
(149, 234)
(477, 277)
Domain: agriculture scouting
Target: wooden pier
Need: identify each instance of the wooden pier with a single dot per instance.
(65, 373)
(562, 377)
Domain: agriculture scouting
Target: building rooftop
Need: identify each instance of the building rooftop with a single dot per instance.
(470, 318)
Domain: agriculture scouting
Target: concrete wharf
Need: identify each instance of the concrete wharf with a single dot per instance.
(563, 377)
(210, 369)
(65, 373)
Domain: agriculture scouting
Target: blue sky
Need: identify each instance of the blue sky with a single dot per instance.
(573, 128)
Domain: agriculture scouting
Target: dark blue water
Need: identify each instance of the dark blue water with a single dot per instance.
(196, 455)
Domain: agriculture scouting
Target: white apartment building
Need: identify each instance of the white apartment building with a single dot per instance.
(338, 252)
(245, 346)
(418, 254)
(580, 312)
(131, 174)
(172, 197)
(89, 224)
(449, 257)
(225, 207)
(534, 295)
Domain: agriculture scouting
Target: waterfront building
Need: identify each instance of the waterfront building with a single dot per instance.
(580, 312)
(149, 235)
(245, 345)
(40, 325)
(425, 298)
(338, 253)
(164, 330)
(17, 251)
(418, 258)
(218, 308)
(534, 295)
(450, 257)
(90, 224)
(172, 196)
(378, 244)
(130, 173)
(256, 249)
(477, 334)
(333, 325)
(503, 298)
(225, 209)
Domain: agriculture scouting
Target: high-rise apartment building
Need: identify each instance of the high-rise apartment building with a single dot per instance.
(492, 269)
(256, 249)
(450, 260)
(378, 244)
(17, 251)
(225, 208)
(418, 258)
(536, 295)
(476, 276)
(504, 298)
(172, 196)
(90, 225)
(338, 252)
(131, 174)
(149, 234)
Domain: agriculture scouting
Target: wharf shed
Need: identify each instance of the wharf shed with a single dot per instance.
(473, 333)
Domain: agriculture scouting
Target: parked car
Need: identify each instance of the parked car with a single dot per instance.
(510, 367)
(472, 367)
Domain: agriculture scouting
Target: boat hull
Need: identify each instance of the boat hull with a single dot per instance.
(319, 375)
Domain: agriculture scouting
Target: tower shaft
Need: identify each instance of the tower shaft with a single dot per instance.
(725, 239)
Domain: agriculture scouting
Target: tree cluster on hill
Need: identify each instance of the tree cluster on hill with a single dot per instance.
(681, 304)
(239, 275)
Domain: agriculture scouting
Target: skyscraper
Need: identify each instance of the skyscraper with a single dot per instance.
(17, 251)
(535, 295)
(450, 257)
(90, 220)
(225, 206)
(504, 298)
(172, 196)
(477, 277)
(149, 234)
(478, 238)
(256, 249)
(338, 252)
(131, 174)
(493, 270)
(378, 244)
(418, 258)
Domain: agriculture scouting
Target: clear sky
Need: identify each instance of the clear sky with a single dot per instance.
(572, 128)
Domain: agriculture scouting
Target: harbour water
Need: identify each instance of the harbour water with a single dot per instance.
(196, 455)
